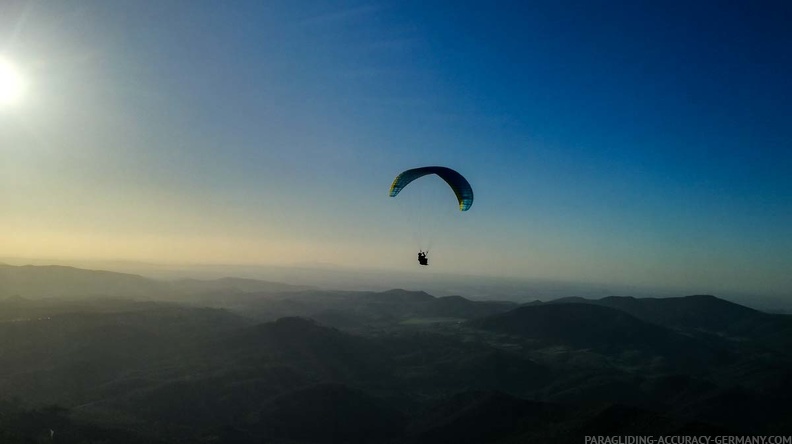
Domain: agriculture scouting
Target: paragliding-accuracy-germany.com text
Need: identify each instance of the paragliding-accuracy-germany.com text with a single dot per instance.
(678, 439)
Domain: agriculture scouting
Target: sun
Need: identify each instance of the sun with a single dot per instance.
(12, 84)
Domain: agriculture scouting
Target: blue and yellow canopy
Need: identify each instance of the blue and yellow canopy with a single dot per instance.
(460, 185)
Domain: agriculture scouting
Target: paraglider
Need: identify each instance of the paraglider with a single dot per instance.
(459, 185)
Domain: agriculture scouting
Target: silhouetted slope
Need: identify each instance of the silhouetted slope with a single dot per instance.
(705, 314)
(404, 304)
(233, 285)
(578, 325)
(695, 312)
(398, 296)
(254, 298)
(24, 425)
(327, 413)
(436, 364)
(56, 281)
(492, 417)
(667, 391)
(459, 307)
(326, 353)
(361, 309)
(607, 330)
(223, 379)
(622, 420)
(208, 398)
(51, 281)
(207, 375)
(742, 410)
(69, 357)
(478, 417)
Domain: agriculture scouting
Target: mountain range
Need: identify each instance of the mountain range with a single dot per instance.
(92, 354)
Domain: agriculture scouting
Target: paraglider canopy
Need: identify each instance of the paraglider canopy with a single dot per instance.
(460, 185)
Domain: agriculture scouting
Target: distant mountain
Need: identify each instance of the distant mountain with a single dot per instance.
(53, 281)
(233, 285)
(254, 298)
(700, 311)
(702, 314)
(577, 325)
(405, 304)
(590, 326)
(208, 375)
(354, 309)
(398, 296)
(248, 361)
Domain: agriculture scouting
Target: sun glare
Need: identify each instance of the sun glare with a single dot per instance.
(12, 84)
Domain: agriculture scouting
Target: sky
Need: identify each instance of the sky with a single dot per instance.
(644, 143)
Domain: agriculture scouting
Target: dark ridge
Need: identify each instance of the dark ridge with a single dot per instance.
(454, 299)
(606, 330)
(569, 299)
(699, 315)
(236, 284)
(32, 281)
(401, 296)
(619, 419)
(581, 325)
(328, 413)
(478, 416)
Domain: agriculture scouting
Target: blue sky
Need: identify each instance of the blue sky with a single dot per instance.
(632, 142)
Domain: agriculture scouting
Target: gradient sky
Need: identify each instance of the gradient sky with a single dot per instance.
(645, 143)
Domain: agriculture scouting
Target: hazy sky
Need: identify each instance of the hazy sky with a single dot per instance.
(632, 142)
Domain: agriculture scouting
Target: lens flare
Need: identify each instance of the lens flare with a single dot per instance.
(12, 84)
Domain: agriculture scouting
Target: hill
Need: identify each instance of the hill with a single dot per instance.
(236, 365)
(53, 281)
(703, 314)
(607, 330)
